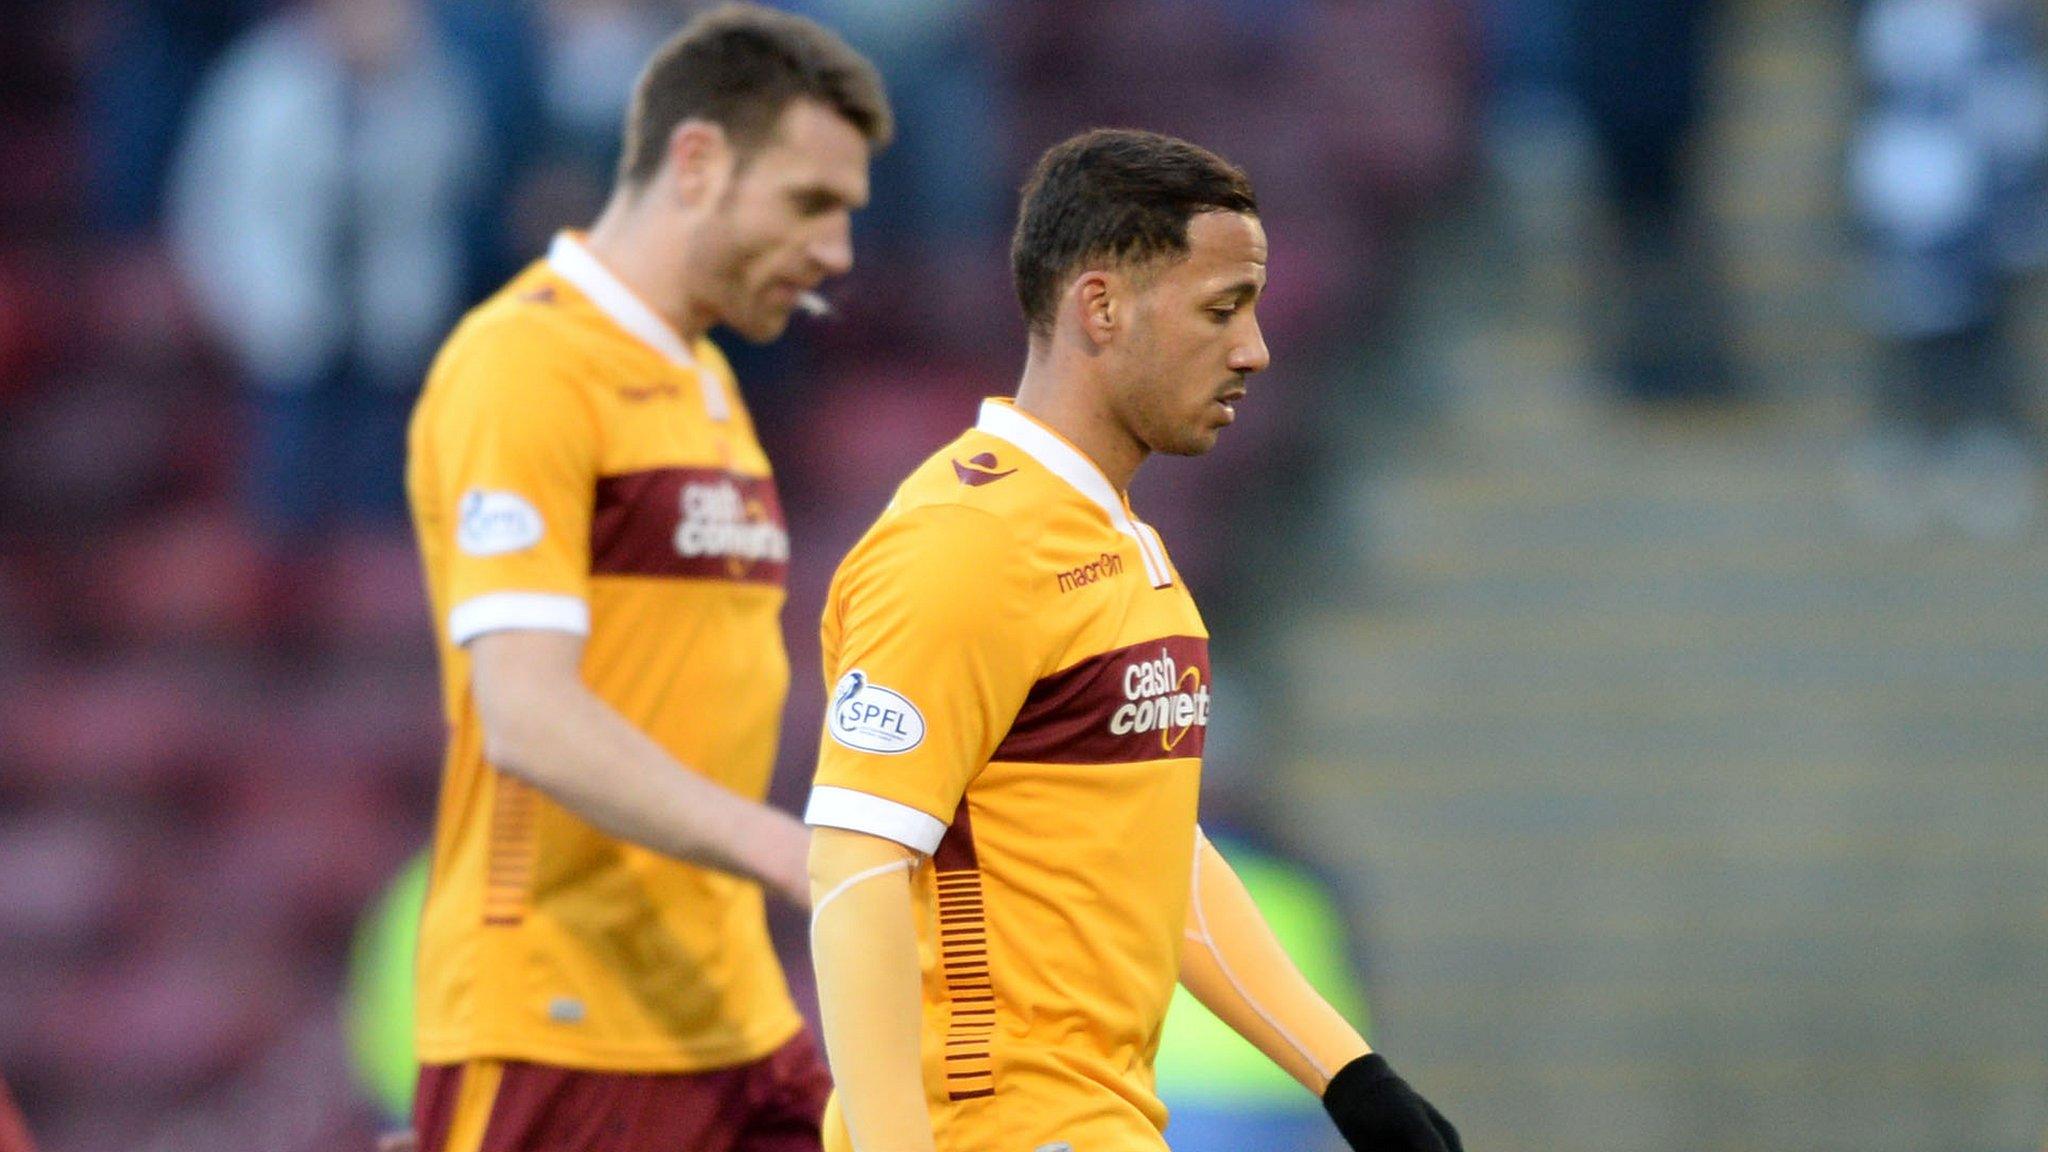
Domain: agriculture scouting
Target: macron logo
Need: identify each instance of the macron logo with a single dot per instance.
(980, 469)
(1101, 568)
(870, 718)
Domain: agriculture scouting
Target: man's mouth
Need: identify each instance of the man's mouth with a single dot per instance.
(793, 288)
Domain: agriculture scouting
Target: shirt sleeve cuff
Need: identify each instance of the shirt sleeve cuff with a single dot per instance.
(861, 812)
(505, 611)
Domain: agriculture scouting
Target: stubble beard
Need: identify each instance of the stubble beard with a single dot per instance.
(1171, 439)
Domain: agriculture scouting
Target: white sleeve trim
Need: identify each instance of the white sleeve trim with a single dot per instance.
(831, 807)
(504, 611)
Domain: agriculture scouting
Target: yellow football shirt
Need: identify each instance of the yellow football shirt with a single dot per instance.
(1020, 690)
(574, 466)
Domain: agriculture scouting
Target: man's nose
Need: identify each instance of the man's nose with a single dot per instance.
(1251, 355)
(832, 250)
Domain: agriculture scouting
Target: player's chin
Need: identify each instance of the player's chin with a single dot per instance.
(1191, 442)
(762, 327)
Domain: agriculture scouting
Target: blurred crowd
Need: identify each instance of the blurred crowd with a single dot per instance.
(1948, 177)
(232, 232)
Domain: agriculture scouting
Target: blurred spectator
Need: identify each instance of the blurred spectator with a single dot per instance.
(587, 55)
(1353, 119)
(146, 63)
(1947, 176)
(1638, 68)
(944, 174)
(498, 45)
(318, 204)
(593, 50)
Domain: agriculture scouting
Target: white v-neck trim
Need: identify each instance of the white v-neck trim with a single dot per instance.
(1005, 422)
(574, 262)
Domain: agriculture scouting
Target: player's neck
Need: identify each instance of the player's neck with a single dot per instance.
(636, 245)
(1064, 398)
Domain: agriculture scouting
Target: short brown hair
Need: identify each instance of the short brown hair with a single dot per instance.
(738, 66)
(1118, 194)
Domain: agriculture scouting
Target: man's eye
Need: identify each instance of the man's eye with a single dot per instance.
(1222, 313)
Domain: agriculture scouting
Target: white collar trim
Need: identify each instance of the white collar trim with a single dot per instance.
(1063, 460)
(574, 262)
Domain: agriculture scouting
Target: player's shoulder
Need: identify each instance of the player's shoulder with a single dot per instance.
(987, 474)
(531, 316)
(914, 533)
(975, 510)
(928, 528)
(981, 472)
(527, 338)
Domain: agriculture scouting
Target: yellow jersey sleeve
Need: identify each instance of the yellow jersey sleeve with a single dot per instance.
(516, 449)
(929, 653)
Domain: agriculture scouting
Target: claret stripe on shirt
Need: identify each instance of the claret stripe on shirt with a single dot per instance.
(1146, 701)
(697, 523)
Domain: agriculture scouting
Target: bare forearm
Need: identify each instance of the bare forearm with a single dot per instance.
(586, 757)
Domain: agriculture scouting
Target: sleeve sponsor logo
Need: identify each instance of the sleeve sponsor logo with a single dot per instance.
(491, 523)
(870, 718)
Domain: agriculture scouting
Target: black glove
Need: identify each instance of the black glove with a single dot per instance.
(1377, 1111)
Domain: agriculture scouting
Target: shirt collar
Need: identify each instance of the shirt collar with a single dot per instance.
(1005, 421)
(573, 261)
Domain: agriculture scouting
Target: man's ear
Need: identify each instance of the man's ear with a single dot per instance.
(1100, 303)
(700, 162)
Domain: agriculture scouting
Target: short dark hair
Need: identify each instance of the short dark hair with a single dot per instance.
(738, 66)
(1113, 194)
